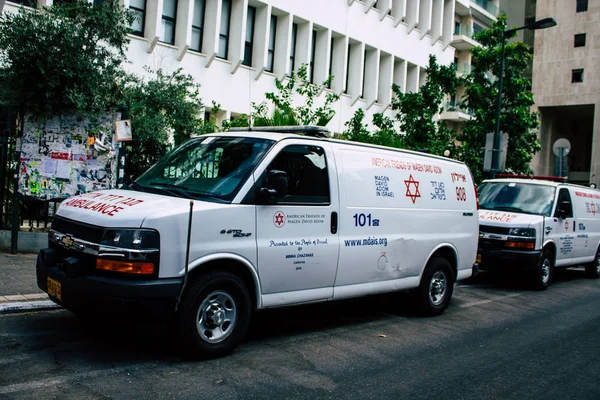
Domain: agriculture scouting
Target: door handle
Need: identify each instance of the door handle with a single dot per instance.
(334, 222)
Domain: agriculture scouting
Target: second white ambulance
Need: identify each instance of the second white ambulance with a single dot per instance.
(235, 222)
(536, 225)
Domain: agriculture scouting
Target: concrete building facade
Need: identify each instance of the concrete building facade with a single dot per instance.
(470, 18)
(236, 48)
(566, 88)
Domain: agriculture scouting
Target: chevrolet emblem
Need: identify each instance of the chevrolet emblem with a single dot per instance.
(67, 241)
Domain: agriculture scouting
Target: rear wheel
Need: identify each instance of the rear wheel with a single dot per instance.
(214, 314)
(542, 275)
(437, 285)
(592, 270)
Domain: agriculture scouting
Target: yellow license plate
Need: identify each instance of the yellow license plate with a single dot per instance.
(54, 289)
(478, 259)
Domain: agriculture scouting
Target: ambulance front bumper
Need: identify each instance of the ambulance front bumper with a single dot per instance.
(507, 260)
(69, 285)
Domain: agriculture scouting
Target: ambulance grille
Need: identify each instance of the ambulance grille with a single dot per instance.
(493, 229)
(79, 230)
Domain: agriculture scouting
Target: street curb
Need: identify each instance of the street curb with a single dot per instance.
(24, 306)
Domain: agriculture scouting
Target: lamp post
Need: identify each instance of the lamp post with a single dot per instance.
(539, 24)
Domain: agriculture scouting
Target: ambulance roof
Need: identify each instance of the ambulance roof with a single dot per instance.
(279, 136)
(538, 182)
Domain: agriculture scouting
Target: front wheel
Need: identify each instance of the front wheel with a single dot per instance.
(542, 275)
(592, 270)
(435, 291)
(214, 314)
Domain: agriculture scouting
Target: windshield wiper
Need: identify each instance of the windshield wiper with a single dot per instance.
(504, 208)
(175, 189)
(137, 186)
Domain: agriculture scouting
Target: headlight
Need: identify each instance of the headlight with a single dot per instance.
(522, 232)
(135, 239)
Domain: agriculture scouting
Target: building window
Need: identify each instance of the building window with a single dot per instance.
(293, 49)
(224, 31)
(577, 75)
(138, 9)
(29, 3)
(249, 41)
(364, 77)
(330, 72)
(167, 23)
(312, 56)
(198, 24)
(272, 38)
(580, 40)
(582, 5)
(347, 89)
(477, 28)
(457, 27)
(61, 2)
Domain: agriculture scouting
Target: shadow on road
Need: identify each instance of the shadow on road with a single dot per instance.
(520, 281)
(125, 338)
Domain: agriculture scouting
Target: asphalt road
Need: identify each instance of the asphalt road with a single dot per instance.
(498, 340)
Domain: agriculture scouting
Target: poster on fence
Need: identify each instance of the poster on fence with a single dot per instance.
(67, 155)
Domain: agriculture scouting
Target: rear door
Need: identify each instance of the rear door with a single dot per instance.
(297, 236)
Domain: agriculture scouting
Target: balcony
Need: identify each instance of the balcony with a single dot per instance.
(485, 10)
(463, 68)
(455, 112)
(463, 38)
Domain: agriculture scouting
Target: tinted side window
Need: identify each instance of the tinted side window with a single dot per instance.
(307, 175)
(564, 195)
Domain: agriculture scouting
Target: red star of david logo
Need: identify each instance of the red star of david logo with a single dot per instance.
(415, 186)
(593, 207)
(566, 225)
(279, 219)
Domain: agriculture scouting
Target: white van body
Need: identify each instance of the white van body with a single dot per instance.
(536, 225)
(354, 220)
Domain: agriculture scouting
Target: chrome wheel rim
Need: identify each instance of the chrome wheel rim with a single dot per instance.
(598, 263)
(545, 271)
(216, 317)
(437, 288)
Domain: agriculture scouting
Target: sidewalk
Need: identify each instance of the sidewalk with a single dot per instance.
(18, 286)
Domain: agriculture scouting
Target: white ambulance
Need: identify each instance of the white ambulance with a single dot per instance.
(535, 225)
(234, 222)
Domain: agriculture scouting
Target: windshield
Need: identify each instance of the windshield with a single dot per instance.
(517, 197)
(210, 168)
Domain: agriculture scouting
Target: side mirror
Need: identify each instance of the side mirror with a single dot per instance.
(277, 186)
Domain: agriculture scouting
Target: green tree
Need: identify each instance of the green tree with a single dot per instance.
(516, 117)
(62, 58)
(285, 113)
(415, 117)
(164, 106)
(417, 111)
(385, 134)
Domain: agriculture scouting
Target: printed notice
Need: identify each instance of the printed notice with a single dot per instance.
(48, 166)
(63, 169)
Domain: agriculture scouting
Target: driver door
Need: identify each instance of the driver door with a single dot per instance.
(296, 229)
(563, 229)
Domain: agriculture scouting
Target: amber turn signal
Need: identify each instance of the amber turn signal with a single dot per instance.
(126, 267)
(520, 245)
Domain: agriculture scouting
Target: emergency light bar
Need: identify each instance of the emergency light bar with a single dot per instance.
(306, 130)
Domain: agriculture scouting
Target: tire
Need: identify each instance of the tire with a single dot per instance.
(542, 274)
(213, 315)
(437, 285)
(592, 270)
